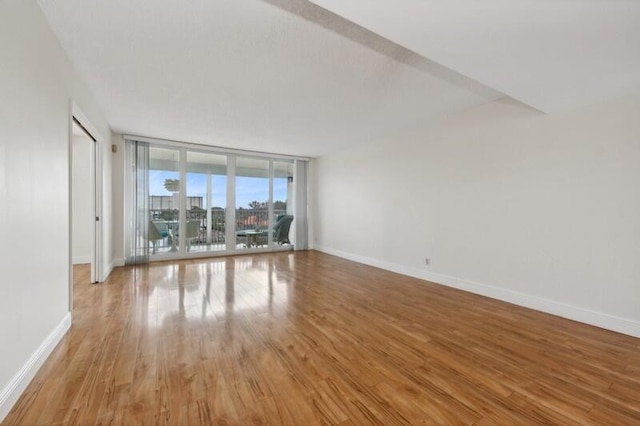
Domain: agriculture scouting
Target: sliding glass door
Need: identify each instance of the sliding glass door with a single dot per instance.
(283, 232)
(201, 202)
(206, 202)
(164, 201)
(252, 203)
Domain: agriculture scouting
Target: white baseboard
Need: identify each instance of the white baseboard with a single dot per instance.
(576, 313)
(109, 269)
(12, 391)
(79, 260)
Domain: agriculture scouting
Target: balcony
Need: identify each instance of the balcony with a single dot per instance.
(207, 233)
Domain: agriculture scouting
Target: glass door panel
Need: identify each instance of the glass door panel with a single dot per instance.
(201, 202)
(252, 202)
(164, 200)
(219, 210)
(206, 201)
(282, 203)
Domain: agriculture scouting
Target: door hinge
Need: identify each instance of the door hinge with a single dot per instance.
(97, 218)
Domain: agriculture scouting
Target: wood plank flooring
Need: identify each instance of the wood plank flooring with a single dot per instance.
(308, 338)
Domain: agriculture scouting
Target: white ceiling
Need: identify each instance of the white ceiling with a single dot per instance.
(291, 77)
(554, 55)
(275, 76)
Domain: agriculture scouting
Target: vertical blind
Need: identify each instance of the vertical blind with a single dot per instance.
(137, 207)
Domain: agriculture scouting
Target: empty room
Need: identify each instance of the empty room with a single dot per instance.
(306, 212)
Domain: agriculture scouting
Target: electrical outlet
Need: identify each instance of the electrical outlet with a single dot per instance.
(427, 261)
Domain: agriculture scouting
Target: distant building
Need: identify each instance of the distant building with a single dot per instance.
(170, 202)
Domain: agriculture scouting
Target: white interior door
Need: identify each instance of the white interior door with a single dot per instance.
(84, 201)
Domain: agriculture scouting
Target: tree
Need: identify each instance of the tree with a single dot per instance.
(256, 205)
(172, 185)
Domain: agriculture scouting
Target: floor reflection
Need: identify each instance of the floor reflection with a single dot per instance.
(322, 340)
(214, 289)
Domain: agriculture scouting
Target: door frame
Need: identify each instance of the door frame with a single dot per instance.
(96, 196)
(232, 155)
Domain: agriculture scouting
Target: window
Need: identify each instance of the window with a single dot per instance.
(188, 201)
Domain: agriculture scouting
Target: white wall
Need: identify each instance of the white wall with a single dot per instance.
(107, 220)
(117, 180)
(82, 223)
(539, 210)
(37, 84)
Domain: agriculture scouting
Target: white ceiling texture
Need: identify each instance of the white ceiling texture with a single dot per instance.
(291, 77)
(554, 55)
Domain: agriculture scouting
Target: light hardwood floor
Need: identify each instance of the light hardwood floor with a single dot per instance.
(308, 338)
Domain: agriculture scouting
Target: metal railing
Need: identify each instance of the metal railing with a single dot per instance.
(246, 219)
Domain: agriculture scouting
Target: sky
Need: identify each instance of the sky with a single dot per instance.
(247, 188)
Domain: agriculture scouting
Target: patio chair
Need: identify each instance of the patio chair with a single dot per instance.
(157, 232)
(281, 229)
(258, 238)
(193, 232)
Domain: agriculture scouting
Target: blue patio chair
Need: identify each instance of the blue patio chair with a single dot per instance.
(157, 232)
(280, 233)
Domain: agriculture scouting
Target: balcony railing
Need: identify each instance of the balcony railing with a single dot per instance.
(246, 219)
